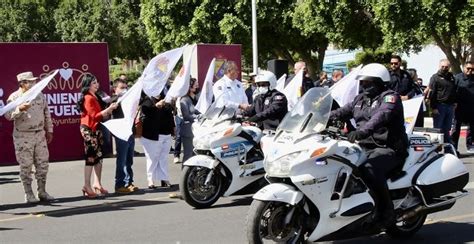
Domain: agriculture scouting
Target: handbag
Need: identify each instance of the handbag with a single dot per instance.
(137, 128)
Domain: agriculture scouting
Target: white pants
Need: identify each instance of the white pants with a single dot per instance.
(156, 153)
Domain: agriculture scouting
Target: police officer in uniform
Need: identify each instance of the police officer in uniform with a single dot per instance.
(228, 89)
(378, 113)
(270, 105)
(33, 129)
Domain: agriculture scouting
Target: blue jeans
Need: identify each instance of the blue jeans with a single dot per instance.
(444, 120)
(177, 143)
(123, 170)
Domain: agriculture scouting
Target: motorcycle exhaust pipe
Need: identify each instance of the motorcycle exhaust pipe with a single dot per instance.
(424, 210)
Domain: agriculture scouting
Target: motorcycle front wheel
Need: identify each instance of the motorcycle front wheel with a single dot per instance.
(194, 189)
(266, 221)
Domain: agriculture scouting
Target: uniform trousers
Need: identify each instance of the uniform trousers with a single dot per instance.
(380, 161)
(31, 149)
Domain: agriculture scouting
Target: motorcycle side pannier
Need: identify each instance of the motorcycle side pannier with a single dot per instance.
(442, 175)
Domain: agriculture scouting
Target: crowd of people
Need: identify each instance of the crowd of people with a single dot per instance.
(449, 97)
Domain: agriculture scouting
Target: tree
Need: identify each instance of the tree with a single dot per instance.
(86, 21)
(344, 24)
(408, 26)
(27, 21)
(172, 24)
(278, 35)
(167, 23)
(129, 31)
(368, 56)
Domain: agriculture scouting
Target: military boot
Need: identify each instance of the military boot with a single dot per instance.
(29, 196)
(42, 194)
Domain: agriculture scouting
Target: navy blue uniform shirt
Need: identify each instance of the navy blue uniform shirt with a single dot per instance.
(380, 117)
(270, 108)
(402, 83)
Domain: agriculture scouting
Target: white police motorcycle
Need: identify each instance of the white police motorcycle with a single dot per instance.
(316, 192)
(220, 166)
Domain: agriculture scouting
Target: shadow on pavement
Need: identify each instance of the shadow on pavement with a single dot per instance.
(441, 232)
(98, 208)
(245, 201)
(58, 201)
(465, 155)
(4, 229)
(12, 179)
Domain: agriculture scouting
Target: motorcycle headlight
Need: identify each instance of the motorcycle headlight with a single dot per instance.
(281, 166)
(204, 141)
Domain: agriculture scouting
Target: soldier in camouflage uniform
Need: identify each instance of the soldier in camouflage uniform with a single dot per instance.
(33, 129)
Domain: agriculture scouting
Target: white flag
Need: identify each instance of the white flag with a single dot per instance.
(29, 95)
(411, 108)
(158, 71)
(205, 99)
(292, 91)
(122, 128)
(280, 86)
(180, 86)
(346, 89)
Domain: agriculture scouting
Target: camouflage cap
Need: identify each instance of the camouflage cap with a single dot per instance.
(26, 76)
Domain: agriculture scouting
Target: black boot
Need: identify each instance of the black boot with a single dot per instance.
(384, 214)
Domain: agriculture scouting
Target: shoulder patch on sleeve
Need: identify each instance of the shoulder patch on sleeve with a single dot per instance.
(278, 97)
(390, 99)
(219, 88)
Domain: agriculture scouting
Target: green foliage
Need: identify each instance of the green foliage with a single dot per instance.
(31, 21)
(129, 32)
(346, 24)
(408, 25)
(290, 29)
(370, 56)
(85, 21)
(116, 70)
(167, 23)
(170, 24)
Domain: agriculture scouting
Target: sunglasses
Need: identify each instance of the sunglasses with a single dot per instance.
(395, 63)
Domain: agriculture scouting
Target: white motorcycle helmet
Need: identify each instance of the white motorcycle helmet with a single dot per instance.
(266, 76)
(374, 72)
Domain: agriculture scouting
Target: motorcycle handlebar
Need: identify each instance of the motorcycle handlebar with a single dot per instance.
(335, 132)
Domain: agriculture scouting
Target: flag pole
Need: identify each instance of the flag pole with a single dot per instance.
(254, 37)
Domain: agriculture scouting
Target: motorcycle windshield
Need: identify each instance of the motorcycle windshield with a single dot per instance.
(310, 114)
(218, 111)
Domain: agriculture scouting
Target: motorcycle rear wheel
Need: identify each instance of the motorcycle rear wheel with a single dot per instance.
(194, 190)
(406, 228)
(265, 220)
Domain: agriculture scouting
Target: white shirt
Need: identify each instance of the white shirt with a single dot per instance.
(231, 92)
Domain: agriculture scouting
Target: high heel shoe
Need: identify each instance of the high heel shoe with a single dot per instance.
(88, 194)
(101, 190)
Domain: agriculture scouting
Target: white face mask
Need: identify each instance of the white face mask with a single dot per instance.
(122, 92)
(262, 89)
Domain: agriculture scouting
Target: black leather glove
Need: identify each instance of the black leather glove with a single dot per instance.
(253, 119)
(355, 136)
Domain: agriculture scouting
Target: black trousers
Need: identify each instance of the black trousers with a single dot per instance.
(380, 161)
(459, 119)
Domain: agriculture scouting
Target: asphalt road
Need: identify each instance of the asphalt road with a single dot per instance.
(150, 216)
